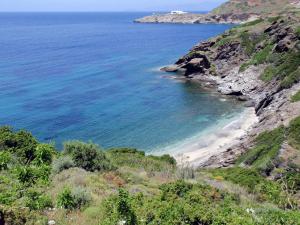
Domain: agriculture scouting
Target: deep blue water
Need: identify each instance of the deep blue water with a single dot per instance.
(94, 76)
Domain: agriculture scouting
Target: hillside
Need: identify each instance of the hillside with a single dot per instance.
(233, 11)
(255, 6)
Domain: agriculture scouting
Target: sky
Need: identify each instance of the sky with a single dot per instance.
(107, 5)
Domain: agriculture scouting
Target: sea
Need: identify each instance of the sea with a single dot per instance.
(95, 77)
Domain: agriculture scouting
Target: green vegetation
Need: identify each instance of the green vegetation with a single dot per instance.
(258, 58)
(89, 185)
(87, 156)
(252, 23)
(262, 156)
(296, 97)
(294, 133)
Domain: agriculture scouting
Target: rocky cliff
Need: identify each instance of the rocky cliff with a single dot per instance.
(259, 63)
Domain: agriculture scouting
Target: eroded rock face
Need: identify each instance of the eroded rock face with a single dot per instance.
(227, 51)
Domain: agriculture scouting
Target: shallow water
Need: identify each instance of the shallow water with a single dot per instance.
(94, 76)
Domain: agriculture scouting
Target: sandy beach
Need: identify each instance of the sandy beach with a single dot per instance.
(197, 152)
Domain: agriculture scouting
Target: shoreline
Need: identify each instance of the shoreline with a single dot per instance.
(197, 152)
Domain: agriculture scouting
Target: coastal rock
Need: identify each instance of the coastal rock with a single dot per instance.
(196, 65)
(204, 46)
(171, 68)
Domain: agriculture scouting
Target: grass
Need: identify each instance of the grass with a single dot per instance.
(258, 58)
(249, 41)
(296, 97)
(297, 31)
(285, 68)
(264, 153)
(223, 41)
(252, 23)
(294, 133)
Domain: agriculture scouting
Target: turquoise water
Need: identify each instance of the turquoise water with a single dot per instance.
(94, 76)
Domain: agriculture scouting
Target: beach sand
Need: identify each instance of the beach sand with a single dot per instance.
(200, 150)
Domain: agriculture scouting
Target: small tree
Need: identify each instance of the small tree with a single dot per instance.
(124, 208)
(87, 156)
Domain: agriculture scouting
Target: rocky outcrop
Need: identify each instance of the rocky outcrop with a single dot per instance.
(189, 18)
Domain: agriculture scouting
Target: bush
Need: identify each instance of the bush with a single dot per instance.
(5, 159)
(87, 156)
(81, 197)
(62, 163)
(37, 201)
(22, 144)
(44, 154)
(119, 210)
(65, 199)
(73, 199)
(29, 175)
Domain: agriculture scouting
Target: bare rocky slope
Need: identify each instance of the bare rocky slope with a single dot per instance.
(233, 11)
(257, 62)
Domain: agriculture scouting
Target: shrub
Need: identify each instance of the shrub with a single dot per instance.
(81, 197)
(5, 159)
(44, 154)
(29, 175)
(37, 201)
(119, 210)
(124, 208)
(22, 144)
(87, 156)
(73, 199)
(62, 163)
(178, 188)
(25, 146)
(65, 199)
